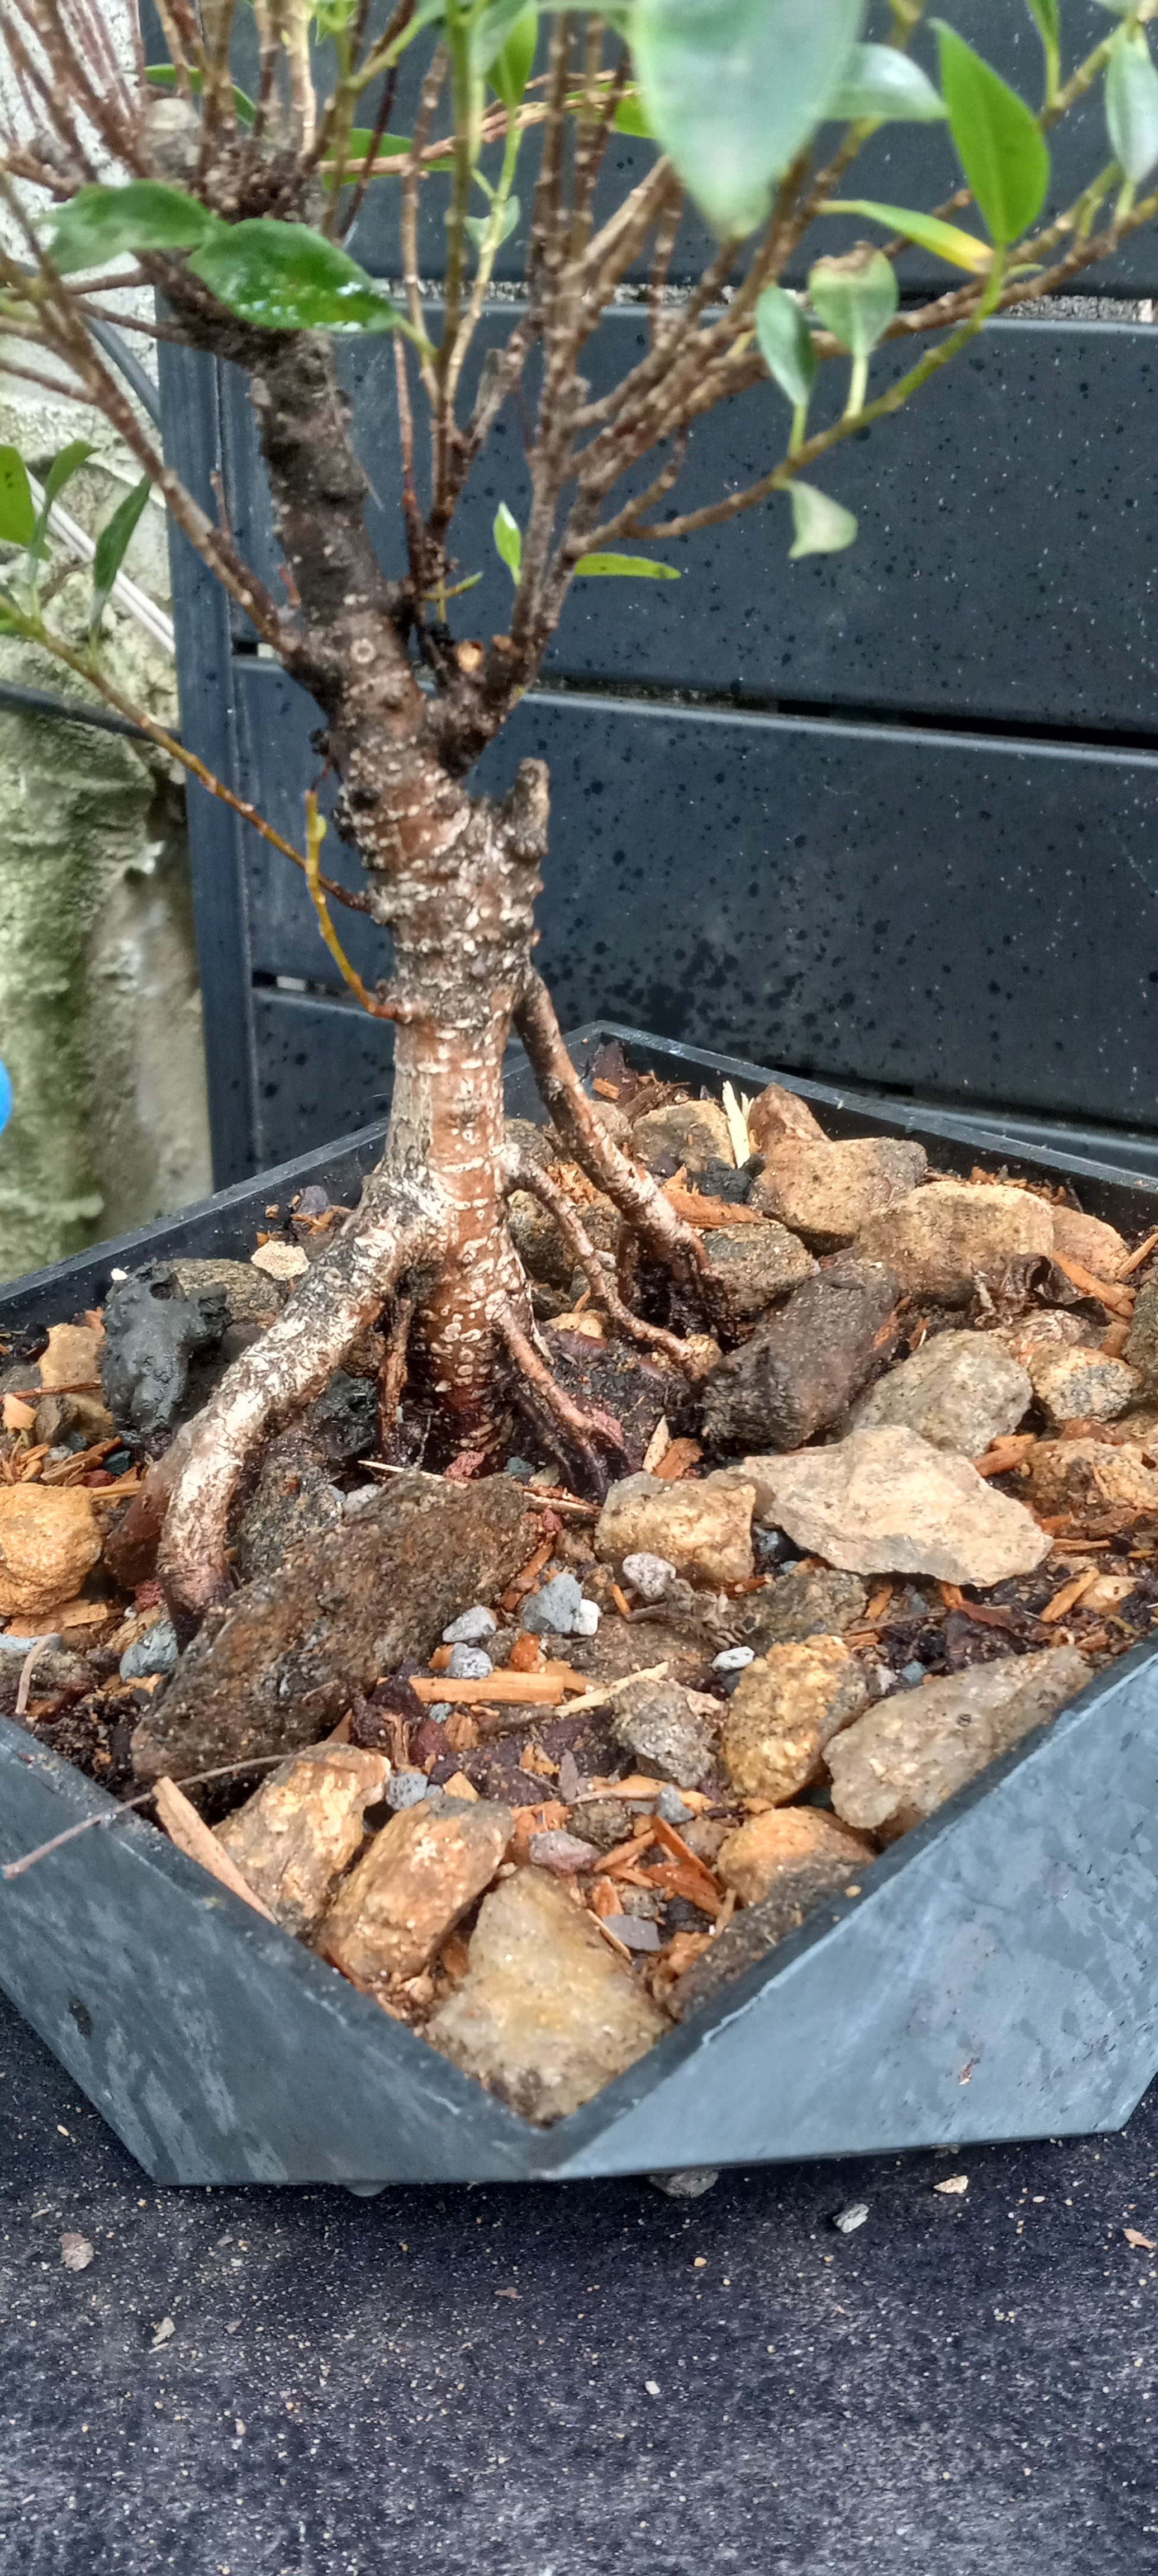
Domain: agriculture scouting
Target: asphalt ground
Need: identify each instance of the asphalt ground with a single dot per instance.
(542, 2380)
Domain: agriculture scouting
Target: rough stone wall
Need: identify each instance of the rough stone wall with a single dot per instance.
(100, 1022)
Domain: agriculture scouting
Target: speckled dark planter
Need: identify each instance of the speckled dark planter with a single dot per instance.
(996, 1978)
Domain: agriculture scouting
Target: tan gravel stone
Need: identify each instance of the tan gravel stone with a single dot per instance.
(546, 2013)
(1077, 1475)
(695, 1131)
(49, 1541)
(750, 1266)
(777, 1113)
(960, 1391)
(1086, 1386)
(703, 1528)
(760, 1852)
(903, 1758)
(72, 1356)
(294, 1837)
(827, 1192)
(1093, 1245)
(886, 1502)
(411, 1887)
(784, 1710)
(1036, 1339)
(940, 1240)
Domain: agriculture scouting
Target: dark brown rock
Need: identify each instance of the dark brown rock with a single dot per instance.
(804, 1365)
(810, 1601)
(755, 1931)
(279, 1666)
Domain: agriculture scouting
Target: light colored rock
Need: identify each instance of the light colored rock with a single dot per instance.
(761, 1851)
(885, 1502)
(294, 1837)
(656, 1724)
(1095, 1246)
(942, 1239)
(960, 1391)
(1080, 1475)
(695, 1132)
(411, 1887)
(750, 1266)
(1086, 1386)
(546, 2013)
(827, 1193)
(783, 1712)
(1036, 1339)
(777, 1113)
(72, 1357)
(543, 1250)
(648, 1575)
(906, 1756)
(49, 1541)
(703, 1528)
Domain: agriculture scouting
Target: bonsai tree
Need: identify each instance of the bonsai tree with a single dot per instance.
(236, 210)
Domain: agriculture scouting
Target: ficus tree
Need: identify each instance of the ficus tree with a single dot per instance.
(236, 209)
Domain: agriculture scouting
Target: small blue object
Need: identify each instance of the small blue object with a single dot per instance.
(5, 1098)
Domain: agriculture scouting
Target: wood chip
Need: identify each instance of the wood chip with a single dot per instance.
(17, 1415)
(1005, 1454)
(1142, 1254)
(461, 1731)
(280, 1260)
(678, 1459)
(735, 1107)
(879, 1605)
(604, 1090)
(522, 1581)
(185, 1828)
(533, 1759)
(1133, 2235)
(1068, 1597)
(621, 1601)
(501, 1689)
(706, 1214)
(458, 1786)
(657, 1447)
(1119, 1300)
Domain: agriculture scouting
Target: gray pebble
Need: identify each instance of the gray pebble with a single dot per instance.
(24, 1645)
(670, 1806)
(586, 1619)
(848, 2220)
(360, 1500)
(468, 1664)
(648, 1575)
(690, 2182)
(407, 1789)
(520, 1468)
(912, 1674)
(155, 1652)
(554, 1610)
(635, 1931)
(440, 1711)
(733, 1659)
(470, 1628)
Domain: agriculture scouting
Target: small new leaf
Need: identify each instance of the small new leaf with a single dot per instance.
(1132, 103)
(998, 141)
(510, 70)
(878, 81)
(508, 538)
(60, 472)
(17, 515)
(631, 118)
(478, 226)
(111, 548)
(823, 526)
(855, 297)
(785, 344)
(283, 277)
(619, 567)
(946, 241)
(101, 224)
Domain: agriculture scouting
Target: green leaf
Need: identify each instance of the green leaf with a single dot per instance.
(163, 76)
(998, 142)
(477, 225)
(11, 618)
(508, 537)
(490, 32)
(101, 224)
(734, 88)
(17, 516)
(619, 566)
(390, 147)
(855, 297)
(1046, 16)
(331, 16)
(112, 546)
(878, 81)
(785, 343)
(946, 241)
(631, 117)
(1132, 103)
(286, 278)
(823, 527)
(60, 472)
(511, 67)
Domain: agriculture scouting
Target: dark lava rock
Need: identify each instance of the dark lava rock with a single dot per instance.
(344, 1419)
(723, 1181)
(804, 1365)
(757, 1929)
(279, 1665)
(606, 1822)
(808, 1602)
(294, 1499)
(610, 1377)
(151, 1333)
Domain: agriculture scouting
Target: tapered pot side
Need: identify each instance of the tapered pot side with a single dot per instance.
(996, 1976)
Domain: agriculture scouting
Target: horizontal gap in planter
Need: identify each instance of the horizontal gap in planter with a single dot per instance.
(851, 717)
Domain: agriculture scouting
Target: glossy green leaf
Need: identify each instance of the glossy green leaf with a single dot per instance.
(511, 67)
(17, 515)
(1132, 103)
(999, 145)
(101, 224)
(390, 147)
(880, 82)
(1046, 15)
(331, 16)
(508, 537)
(492, 30)
(823, 526)
(618, 567)
(946, 241)
(855, 297)
(734, 88)
(631, 118)
(163, 76)
(11, 618)
(785, 344)
(60, 472)
(478, 225)
(283, 277)
(112, 546)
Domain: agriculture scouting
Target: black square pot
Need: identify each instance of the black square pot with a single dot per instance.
(996, 1978)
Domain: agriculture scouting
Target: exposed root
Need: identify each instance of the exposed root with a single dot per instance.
(639, 1198)
(564, 1425)
(598, 1267)
(399, 1227)
(393, 1377)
